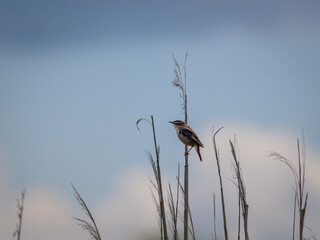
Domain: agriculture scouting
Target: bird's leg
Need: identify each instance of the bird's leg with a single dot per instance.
(188, 151)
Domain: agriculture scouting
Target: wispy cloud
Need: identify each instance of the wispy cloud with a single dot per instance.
(129, 210)
(269, 184)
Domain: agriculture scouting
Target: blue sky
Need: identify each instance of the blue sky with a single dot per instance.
(75, 76)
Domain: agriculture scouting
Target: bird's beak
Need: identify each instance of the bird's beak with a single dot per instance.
(170, 122)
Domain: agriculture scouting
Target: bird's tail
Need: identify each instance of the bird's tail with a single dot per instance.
(198, 151)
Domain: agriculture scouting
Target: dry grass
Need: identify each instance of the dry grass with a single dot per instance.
(241, 191)
(173, 206)
(180, 82)
(89, 226)
(20, 206)
(301, 197)
(214, 236)
(191, 229)
(158, 186)
(216, 151)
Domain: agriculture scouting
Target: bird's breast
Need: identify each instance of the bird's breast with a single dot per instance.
(184, 139)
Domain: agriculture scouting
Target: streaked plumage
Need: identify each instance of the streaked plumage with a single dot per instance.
(187, 136)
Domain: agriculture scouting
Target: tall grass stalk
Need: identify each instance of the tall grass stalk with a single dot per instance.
(214, 218)
(182, 85)
(20, 206)
(239, 216)
(90, 227)
(191, 226)
(155, 197)
(157, 173)
(299, 181)
(241, 190)
(294, 216)
(173, 206)
(216, 151)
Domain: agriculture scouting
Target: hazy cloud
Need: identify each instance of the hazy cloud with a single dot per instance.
(37, 22)
(269, 182)
(129, 210)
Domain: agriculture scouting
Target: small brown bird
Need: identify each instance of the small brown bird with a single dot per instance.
(187, 136)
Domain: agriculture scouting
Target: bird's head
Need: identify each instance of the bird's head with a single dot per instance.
(178, 124)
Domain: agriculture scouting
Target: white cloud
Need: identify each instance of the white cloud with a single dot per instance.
(129, 211)
(48, 214)
(268, 182)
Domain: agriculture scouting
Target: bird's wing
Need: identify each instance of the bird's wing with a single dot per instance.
(191, 135)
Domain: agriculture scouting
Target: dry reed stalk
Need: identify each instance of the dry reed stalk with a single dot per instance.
(313, 235)
(177, 82)
(155, 187)
(221, 186)
(20, 206)
(294, 216)
(239, 216)
(214, 217)
(173, 208)
(157, 174)
(191, 227)
(91, 228)
(241, 190)
(299, 180)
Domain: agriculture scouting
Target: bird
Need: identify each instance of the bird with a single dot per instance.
(187, 136)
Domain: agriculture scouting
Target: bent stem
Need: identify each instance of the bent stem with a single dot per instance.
(157, 175)
(299, 181)
(91, 228)
(221, 186)
(241, 190)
